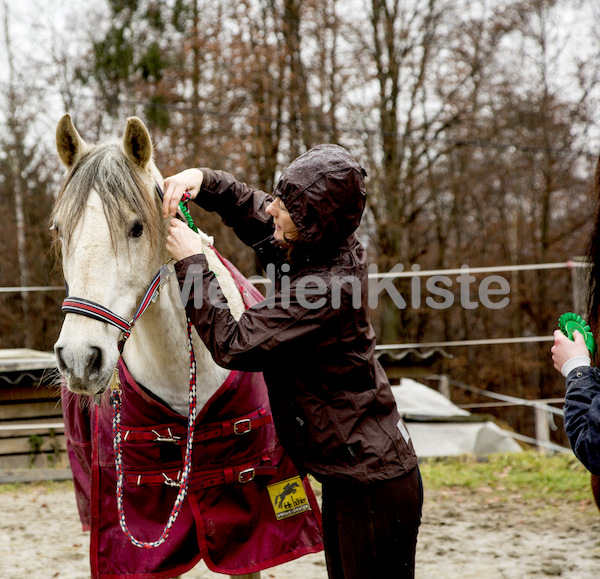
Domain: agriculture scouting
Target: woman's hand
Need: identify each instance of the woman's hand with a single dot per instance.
(175, 186)
(182, 241)
(565, 349)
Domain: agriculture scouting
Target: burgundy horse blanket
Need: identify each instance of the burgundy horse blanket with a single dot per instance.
(246, 510)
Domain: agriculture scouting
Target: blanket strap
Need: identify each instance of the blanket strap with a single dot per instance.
(175, 433)
(240, 474)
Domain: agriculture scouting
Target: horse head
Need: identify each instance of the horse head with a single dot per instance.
(107, 220)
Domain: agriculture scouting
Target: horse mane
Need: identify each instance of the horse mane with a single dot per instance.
(593, 254)
(106, 169)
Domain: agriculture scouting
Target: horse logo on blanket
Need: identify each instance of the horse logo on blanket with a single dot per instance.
(288, 489)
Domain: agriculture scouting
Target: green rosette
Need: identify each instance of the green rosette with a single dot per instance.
(569, 322)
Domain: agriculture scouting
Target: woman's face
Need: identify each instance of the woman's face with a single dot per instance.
(285, 230)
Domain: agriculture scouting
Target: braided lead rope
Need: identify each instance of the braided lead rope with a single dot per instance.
(187, 464)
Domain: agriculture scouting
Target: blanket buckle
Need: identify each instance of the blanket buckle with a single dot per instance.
(170, 482)
(170, 438)
(246, 476)
(242, 426)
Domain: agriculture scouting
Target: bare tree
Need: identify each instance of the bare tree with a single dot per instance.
(24, 188)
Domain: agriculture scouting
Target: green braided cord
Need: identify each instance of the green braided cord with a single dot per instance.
(188, 217)
(190, 221)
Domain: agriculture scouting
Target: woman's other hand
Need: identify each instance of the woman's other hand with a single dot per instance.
(564, 349)
(182, 241)
(176, 186)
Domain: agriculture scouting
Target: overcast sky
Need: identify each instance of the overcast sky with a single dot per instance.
(40, 28)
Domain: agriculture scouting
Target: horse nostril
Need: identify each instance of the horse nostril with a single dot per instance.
(94, 361)
(59, 360)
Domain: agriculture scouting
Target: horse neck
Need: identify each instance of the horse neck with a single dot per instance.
(157, 354)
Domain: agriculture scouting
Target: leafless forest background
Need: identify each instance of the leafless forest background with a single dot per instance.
(475, 121)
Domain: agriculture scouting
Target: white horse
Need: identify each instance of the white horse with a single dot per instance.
(112, 237)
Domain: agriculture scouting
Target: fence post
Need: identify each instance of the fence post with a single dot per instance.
(444, 386)
(542, 429)
(579, 286)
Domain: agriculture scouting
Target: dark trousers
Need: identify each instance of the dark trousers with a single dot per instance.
(370, 531)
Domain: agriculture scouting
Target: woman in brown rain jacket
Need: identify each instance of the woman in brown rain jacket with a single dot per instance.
(331, 401)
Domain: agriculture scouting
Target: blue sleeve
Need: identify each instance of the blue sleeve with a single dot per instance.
(582, 415)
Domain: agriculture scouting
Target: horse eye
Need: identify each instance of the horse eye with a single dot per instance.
(136, 229)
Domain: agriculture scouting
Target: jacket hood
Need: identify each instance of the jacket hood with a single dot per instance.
(324, 192)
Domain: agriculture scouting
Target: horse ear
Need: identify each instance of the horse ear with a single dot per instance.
(69, 144)
(137, 142)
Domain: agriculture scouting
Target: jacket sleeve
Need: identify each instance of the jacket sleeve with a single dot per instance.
(241, 208)
(248, 344)
(582, 415)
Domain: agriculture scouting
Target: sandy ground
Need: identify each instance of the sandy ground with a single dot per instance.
(465, 534)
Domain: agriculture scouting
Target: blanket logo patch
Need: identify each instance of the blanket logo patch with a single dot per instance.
(288, 498)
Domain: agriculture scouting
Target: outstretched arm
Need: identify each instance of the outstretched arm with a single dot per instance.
(252, 342)
(241, 208)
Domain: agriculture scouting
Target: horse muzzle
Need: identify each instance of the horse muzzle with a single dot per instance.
(87, 367)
